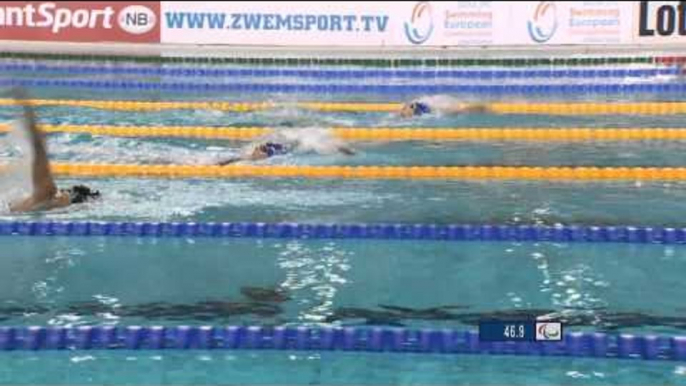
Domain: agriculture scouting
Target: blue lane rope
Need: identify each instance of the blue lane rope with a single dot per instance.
(495, 89)
(346, 74)
(360, 339)
(516, 233)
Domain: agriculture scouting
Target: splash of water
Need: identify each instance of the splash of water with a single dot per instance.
(440, 102)
(309, 139)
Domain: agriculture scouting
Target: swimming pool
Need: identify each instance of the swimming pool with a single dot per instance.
(111, 281)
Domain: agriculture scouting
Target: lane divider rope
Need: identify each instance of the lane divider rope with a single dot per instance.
(344, 74)
(356, 339)
(386, 133)
(368, 62)
(353, 88)
(374, 172)
(427, 232)
(144, 105)
(567, 108)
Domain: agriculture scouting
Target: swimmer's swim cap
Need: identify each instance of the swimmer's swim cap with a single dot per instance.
(80, 193)
(271, 149)
(420, 108)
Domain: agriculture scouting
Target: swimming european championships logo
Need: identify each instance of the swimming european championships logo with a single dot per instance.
(543, 24)
(548, 331)
(421, 25)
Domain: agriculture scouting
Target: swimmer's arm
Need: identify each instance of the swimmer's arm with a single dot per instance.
(345, 150)
(43, 183)
(462, 108)
(230, 161)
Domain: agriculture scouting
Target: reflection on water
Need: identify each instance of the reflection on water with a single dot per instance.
(321, 310)
(314, 276)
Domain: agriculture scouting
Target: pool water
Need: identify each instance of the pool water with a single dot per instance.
(277, 368)
(109, 281)
(274, 282)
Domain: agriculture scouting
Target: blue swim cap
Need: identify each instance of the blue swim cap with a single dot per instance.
(420, 108)
(272, 149)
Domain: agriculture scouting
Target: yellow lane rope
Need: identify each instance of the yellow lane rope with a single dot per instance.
(373, 172)
(387, 134)
(221, 106)
(567, 108)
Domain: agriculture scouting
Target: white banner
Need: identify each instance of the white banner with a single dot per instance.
(472, 23)
(282, 23)
(334, 23)
(454, 23)
(569, 22)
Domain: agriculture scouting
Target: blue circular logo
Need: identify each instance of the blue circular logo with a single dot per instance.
(543, 24)
(421, 25)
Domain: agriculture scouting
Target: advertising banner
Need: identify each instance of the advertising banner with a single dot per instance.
(659, 22)
(348, 24)
(287, 23)
(473, 23)
(420, 23)
(569, 22)
(80, 21)
(423, 23)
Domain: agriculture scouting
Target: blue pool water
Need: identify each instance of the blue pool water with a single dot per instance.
(108, 281)
(275, 368)
(51, 281)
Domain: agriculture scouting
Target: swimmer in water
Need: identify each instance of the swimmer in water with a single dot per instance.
(418, 108)
(45, 194)
(270, 149)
